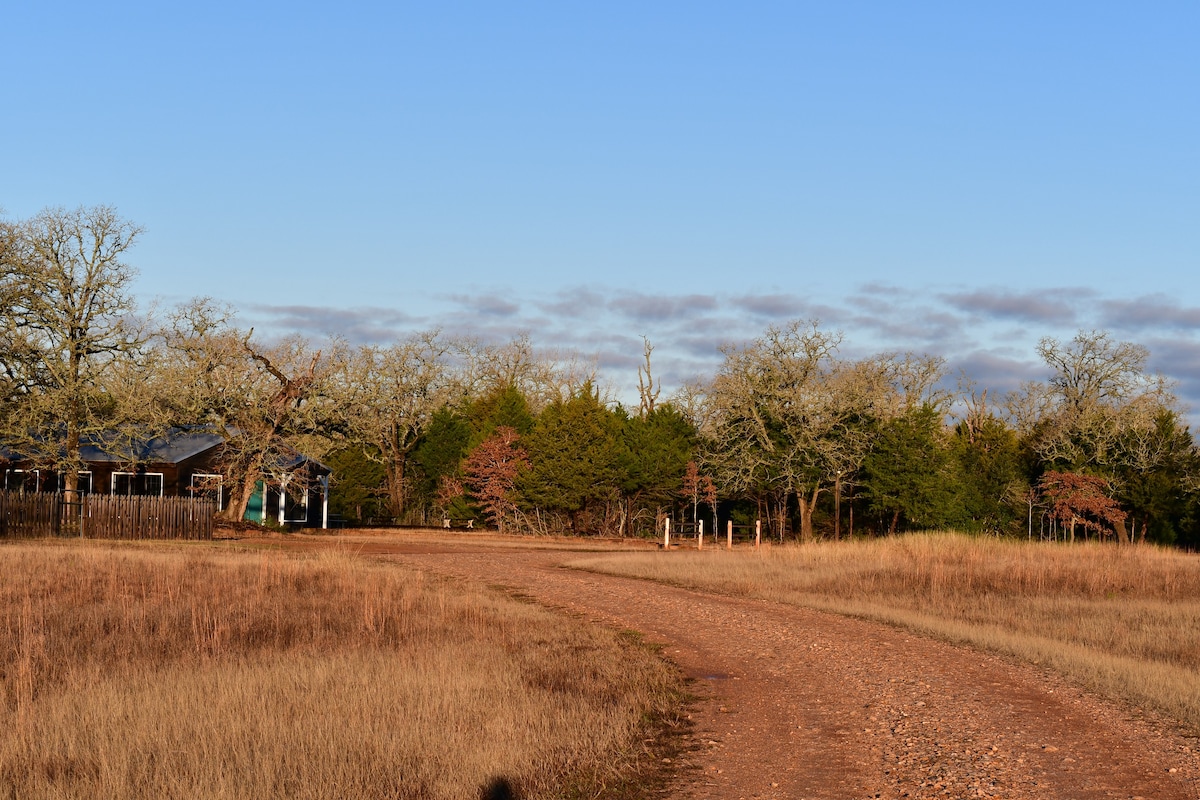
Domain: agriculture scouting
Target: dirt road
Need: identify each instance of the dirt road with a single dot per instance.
(800, 704)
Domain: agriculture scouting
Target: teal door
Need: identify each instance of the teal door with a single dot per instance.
(254, 509)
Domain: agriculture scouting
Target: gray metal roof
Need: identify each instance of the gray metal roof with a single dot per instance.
(177, 445)
(173, 447)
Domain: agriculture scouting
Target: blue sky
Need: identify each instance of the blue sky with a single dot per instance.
(939, 177)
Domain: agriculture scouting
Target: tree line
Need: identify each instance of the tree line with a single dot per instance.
(432, 427)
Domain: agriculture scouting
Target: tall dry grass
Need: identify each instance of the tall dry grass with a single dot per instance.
(149, 672)
(1122, 621)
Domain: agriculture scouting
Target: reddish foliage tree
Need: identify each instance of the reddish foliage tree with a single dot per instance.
(491, 472)
(449, 489)
(1076, 499)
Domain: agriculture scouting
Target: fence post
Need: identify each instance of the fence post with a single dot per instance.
(700, 534)
(757, 533)
(666, 533)
(729, 535)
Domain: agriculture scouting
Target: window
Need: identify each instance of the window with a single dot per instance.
(206, 484)
(296, 507)
(295, 490)
(22, 480)
(138, 483)
(83, 484)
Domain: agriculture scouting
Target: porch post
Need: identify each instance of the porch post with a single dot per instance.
(324, 480)
(283, 482)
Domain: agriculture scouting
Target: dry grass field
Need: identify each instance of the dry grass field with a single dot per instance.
(1121, 621)
(150, 671)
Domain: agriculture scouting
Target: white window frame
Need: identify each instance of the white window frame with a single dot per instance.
(283, 484)
(220, 485)
(162, 484)
(37, 479)
(91, 485)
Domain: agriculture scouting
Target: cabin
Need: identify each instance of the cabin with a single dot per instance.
(185, 462)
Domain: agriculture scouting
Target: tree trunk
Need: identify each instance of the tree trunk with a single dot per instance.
(73, 442)
(397, 500)
(250, 475)
(71, 473)
(805, 517)
(236, 511)
(781, 514)
(807, 507)
(895, 522)
(837, 507)
(1122, 533)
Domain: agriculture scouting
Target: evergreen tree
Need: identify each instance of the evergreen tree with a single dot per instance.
(1155, 484)
(576, 455)
(907, 476)
(657, 448)
(439, 455)
(358, 486)
(505, 406)
(991, 476)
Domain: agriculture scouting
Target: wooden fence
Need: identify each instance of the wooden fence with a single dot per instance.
(107, 516)
(118, 517)
(30, 514)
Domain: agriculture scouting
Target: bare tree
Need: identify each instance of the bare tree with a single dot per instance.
(698, 488)
(786, 420)
(770, 418)
(1093, 370)
(975, 413)
(69, 325)
(648, 391)
(11, 286)
(542, 376)
(1099, 409)
(388, 395)
(263, 398)
(915, 380)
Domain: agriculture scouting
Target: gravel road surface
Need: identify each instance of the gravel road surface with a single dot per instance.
(800, 704)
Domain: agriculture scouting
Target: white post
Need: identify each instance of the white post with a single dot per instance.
(729, 535)
(757, 533)
(666, 533)
(283, 482)
(700, 534)
(324, 479)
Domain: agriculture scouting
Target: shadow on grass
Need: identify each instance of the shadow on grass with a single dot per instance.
(499, 789)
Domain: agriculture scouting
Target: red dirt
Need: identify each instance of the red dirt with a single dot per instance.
(800, 704)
